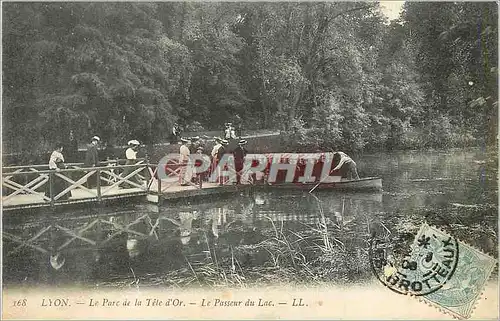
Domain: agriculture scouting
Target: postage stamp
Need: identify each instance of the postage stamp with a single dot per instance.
(440, 270)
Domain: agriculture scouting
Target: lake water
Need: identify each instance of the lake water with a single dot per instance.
(261, 237)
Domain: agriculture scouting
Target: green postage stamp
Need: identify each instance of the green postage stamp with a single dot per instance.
(439, 269)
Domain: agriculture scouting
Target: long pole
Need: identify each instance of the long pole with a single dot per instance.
(321, 181)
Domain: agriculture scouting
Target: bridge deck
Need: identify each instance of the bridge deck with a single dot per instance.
(77, 196)
(174, 191)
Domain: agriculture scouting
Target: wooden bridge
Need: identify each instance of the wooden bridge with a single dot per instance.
(35, 185)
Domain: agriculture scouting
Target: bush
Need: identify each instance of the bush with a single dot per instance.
(439, 132)
(195, 126)
(301, 139)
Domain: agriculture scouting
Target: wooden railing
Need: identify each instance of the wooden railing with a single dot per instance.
(175, 175)
(37, 184)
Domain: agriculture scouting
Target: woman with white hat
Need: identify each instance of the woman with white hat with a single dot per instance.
(220, 153)
(185, 174)
(214, 153)
(131, 156)
(56, 162)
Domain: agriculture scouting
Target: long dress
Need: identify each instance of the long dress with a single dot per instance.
(214, 153)
(91, 160)
(221, 180)
(186, 172)
(58, 184)
(131, 156)
(239, 157)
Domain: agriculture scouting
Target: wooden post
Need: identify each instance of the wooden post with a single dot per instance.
(159, 190)
(99, 196)
(51, 188)
(146, 176)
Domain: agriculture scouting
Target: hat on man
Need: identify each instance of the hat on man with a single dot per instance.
(133, 142)
(184, 140)
(96, 138)
(195, 138)
(242, 142)
(224, 142)
(218, 139)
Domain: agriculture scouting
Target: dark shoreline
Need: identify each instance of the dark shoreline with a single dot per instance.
(267, 143)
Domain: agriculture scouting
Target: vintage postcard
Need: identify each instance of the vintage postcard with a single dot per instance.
(250, 160)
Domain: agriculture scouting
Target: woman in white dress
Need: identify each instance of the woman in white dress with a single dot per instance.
(56, 163)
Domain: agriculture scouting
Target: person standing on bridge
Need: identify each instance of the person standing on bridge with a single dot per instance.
(198, 163)
(215, 149)
(92, 160)
(56, 163)
(346, 165)
(213, 154)
(131, 156)
(194, 144)
(185, 172)
(220, 153)
(239, 153)
(202, 142)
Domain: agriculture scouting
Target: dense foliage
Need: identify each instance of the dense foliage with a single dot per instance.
(330, 74)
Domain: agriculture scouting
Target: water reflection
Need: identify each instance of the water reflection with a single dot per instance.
(261, 237)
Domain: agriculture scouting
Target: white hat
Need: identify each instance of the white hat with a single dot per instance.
(133, 142)
(96, 138)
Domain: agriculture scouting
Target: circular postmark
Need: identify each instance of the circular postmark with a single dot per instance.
(421, 269)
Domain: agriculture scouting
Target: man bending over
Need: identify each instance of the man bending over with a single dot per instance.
(347, 165)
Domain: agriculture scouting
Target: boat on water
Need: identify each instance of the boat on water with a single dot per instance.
(336, 179)
(307, 171)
